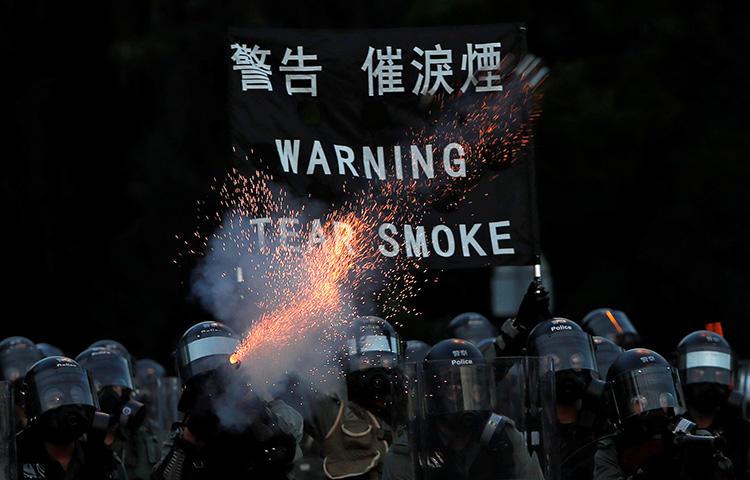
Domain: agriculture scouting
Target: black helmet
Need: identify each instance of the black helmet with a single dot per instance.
(49, 350)
(415, 351)
(147, 370)
(204, 347)
(566, 343)
(112, 345)
(642, 382)
(56, 382)
(606, 352)
(372, 343)
(108, 368)
(613, 325)
(373, 366)
(17, 355)
(471, 326)
(458, 379)
(705, 357)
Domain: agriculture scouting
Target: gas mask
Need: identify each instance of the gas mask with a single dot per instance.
(112, 399)
(64, 424)
(372, 388)
(706, 398)
(570, 386)
(122, 409)
(640, 428)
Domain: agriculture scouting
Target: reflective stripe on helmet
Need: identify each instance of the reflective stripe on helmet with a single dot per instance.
(707, 358)
(204, 347)
(373, 343)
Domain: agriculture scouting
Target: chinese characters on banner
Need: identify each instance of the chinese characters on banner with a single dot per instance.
(480, 65)
(329, 113)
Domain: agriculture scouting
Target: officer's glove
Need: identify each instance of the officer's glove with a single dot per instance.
(534, 307)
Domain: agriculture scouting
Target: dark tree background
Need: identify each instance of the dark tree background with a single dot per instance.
(117, 124)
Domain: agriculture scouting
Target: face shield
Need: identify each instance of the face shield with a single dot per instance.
(568, 351)
(204, 354)
(451, 388)
(706, 366)
(55, 388)
(612, 325)
(108, 371)
(474, 330)
(373, 351)
(647, 390)
(15, 362)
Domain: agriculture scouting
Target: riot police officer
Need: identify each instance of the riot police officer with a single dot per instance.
(227, 430)
(705, 363)
(471, 326)
(128, 435)
(578, 390)
(613, 325)
(606, 352)
(61, 406)
(146, 370)
(355, 430)
(652, 442)
(17, 355)
(149, 382)
(455, 432)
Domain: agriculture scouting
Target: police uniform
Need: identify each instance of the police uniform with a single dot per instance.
(61, 404)
(260, 442)
(232, 455)
(89, 461)
(137, 450)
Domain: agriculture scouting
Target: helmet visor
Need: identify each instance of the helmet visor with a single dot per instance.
(647, 390)
(706, 366)
(55, 388)
(16, 362)
(204, 354)
(108, 370)
(454, 389)
(474, 331)
(373, 351)
(568, 351)
(611, 325)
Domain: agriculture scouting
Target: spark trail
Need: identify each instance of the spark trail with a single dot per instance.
(314, 287)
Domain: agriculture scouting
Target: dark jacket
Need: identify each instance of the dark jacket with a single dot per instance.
(90, 460)
(138, 450)
(655, 458)
(264, 449)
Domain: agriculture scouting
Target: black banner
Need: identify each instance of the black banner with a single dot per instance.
(446, 110)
